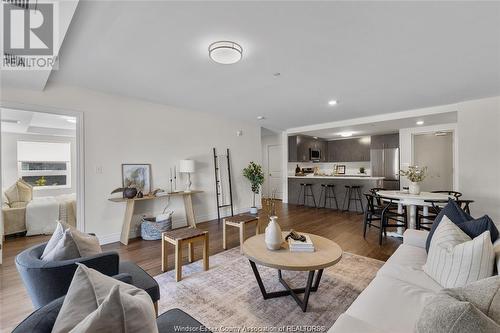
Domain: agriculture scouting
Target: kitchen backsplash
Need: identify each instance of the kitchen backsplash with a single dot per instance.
(351, 168)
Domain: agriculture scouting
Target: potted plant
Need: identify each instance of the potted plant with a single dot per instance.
(253, 172)
(415, 175)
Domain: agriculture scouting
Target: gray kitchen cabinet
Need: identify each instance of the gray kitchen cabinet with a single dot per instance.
(385, 141)
(299, 146)
(348, 150)
(292, 148)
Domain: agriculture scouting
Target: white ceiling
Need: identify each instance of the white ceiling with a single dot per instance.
(374, 57)
(384, 127)
(27, 122)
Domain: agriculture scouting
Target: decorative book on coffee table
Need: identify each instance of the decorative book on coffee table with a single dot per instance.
(298, 246)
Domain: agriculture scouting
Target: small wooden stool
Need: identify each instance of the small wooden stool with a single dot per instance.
(178, 238)
(239, 221)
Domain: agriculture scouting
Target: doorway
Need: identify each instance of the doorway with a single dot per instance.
(272, 163)
(41, 175)
(435, 150)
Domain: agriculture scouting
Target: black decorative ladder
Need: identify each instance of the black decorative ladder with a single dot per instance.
(219, 183)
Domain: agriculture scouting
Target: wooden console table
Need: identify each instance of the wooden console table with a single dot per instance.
(129, 211)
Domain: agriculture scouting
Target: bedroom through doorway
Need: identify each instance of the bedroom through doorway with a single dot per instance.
(41, 176)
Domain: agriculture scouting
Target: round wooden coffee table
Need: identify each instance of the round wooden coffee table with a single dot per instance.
(327, 253)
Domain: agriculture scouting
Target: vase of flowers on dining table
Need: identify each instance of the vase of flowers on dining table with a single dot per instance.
(415, 175)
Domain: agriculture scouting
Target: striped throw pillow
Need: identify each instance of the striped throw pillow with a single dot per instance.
(455, 259)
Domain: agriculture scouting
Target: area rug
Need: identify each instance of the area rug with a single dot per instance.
(227, 297)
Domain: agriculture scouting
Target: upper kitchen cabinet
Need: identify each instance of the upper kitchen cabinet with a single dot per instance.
(349, 150)
(385, 141)
(299, 147)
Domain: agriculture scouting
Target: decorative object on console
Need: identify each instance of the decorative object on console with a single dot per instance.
(253, 172)
(127, 192)
(362, 170)
(138, 176)
(187, 166)
(340, 170)
(415, 175)
(273, 237)
(455, 259)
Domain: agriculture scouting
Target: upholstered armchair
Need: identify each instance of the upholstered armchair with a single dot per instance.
(14, 201)
(48, 280)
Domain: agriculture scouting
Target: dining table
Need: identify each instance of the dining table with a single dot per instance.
(412, 201)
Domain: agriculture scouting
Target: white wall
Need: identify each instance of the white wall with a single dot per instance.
(9, 160)
(123, 130)
(479, 155)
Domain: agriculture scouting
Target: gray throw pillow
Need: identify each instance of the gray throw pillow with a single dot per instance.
(473, 308)
(61, 249)
(91, 291)
(64, 249)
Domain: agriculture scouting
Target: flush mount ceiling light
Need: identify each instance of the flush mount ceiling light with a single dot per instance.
(333, 102)
(420, 122)
(225, 52)
(11, 121)
(346, 134)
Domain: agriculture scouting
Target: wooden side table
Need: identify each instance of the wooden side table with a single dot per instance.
(178, 238)
(239, 221)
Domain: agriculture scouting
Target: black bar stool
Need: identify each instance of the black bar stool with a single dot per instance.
(328, 193)
(352, 193)
(304, 187)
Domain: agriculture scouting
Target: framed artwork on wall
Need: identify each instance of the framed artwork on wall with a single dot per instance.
(138, 176)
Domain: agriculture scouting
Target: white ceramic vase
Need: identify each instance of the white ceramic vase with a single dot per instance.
(253, 210)
(414, 188)
(273, 237)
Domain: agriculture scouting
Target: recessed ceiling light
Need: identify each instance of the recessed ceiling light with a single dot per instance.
(420, 122)
(333, 102)
(225, 52)
(261, 117)
(346, 134)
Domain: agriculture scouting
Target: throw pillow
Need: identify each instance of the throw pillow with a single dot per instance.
(12, 194)
(64, 249)
(474, 228)
(89, 290)
(473, 308)
(85, 244)
(455, 259)
(24, 190)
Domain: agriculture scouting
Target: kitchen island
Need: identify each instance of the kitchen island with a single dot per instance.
(340, 181)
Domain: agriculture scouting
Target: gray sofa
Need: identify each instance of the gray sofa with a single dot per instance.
(49, 280)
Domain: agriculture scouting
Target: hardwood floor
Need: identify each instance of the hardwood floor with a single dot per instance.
(344, 228)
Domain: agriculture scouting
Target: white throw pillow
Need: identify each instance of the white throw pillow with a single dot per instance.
(455, 259)
(93, 295)
(65, 239)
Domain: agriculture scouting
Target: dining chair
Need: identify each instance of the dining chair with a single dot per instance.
(453, 193)
(425, 222)
(380, 208)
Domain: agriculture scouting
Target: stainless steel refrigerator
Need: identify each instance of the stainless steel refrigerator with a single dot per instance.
(385, 163)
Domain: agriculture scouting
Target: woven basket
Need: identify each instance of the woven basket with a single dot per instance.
(151, 230)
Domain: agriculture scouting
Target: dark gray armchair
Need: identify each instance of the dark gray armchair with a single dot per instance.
(49, 280)
(43, 319)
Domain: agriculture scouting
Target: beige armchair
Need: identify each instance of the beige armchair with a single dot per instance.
(14, 203)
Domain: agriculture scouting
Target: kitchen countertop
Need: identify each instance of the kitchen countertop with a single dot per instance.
(338, 177)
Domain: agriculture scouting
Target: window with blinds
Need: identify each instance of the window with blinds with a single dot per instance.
(44, 164)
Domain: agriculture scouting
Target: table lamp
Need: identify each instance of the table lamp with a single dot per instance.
(187, 166)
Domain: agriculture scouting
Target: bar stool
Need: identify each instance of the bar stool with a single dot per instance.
(328, 193)
(304, 187)
(352, 193)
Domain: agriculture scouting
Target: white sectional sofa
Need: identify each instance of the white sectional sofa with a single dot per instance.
(393, 301)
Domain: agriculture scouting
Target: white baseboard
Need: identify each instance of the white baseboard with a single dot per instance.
(176, 223)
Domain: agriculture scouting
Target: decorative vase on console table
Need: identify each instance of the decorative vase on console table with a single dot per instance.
(273, 237)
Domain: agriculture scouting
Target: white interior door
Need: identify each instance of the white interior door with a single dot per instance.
(436, 153)
(274, 176)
